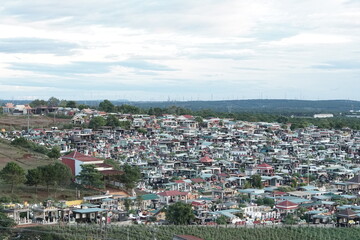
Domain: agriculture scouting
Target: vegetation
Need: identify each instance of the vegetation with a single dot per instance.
(22, 142)
(265, 201)
(107, 106)
(54, 153)
(222, 220)
(141, 232)
(130, 177)
(256, 181)
(13, 174)
(89, 176)
(180, 213)
(97, 122)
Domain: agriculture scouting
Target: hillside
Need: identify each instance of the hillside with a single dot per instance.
(25, 158)
(21, 122)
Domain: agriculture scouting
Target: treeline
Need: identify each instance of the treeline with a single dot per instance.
(56, 174)
(22, 142)
(251, 116)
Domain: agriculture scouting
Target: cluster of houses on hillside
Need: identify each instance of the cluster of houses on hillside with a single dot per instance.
(210, 164)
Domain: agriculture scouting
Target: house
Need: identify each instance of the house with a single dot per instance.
(8, 108)
(75, 160)
(172, 196)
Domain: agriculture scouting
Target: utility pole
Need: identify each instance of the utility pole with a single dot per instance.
(28, 121)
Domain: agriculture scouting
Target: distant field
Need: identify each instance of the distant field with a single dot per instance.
(10, 122)
(25, 158)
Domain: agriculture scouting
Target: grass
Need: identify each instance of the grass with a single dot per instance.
(28, 193)
(25, 158)
(9, 122)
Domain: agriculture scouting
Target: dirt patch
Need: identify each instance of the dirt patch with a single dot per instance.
(10, 122)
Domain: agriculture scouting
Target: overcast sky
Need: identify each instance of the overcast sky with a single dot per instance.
(180, 50)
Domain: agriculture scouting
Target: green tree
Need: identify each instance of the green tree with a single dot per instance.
(56, 174)
(127, 204)
(34, 178)
(125, 108)
(5, 226)
(97, 122)
(222, 220)
(112, 121)
(90, 176)
(107, 106)
(256, 181)
(54, 153)
(13, 174)
(125, 124)
(180, 213)
(130, 177)
(83, 106)
(71, 104)
(38, 103)
(53, 102)
(113, 163)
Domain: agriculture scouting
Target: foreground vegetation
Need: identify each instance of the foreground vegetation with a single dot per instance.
(167, 232)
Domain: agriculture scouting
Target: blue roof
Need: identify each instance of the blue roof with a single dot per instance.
(89, 210)
(309, 187)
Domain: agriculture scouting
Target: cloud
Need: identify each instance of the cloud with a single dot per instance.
(338, 65)
(312, 38)
(88, 67)
(36, 45)
(160, 48)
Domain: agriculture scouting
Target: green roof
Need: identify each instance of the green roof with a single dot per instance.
(150, 196)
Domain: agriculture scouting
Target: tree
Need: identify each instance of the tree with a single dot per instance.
(256, 181)
(54, 153)
(97, 122)
(34, 178)
(83, 106)
(180, 213)
(53, 102)
(56, 174)
(130, 177)
(112, 121)
(71, 104)
(222, 220)
(5, 221)
(5, 224)
(125, 124)
(127, 204)
(90, 176)
(38, 103)
(106, 106)
(12, 174)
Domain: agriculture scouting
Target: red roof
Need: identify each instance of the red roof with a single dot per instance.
(111, 172)
(197, 203)
(286, 205)
(279, 193)
(172, 193)
(264, 165)
(103, 165)
(81, 157)
(179, 181)
(206, 159)
(197, 180)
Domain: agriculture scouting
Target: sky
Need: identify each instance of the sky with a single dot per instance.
(184, 50)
